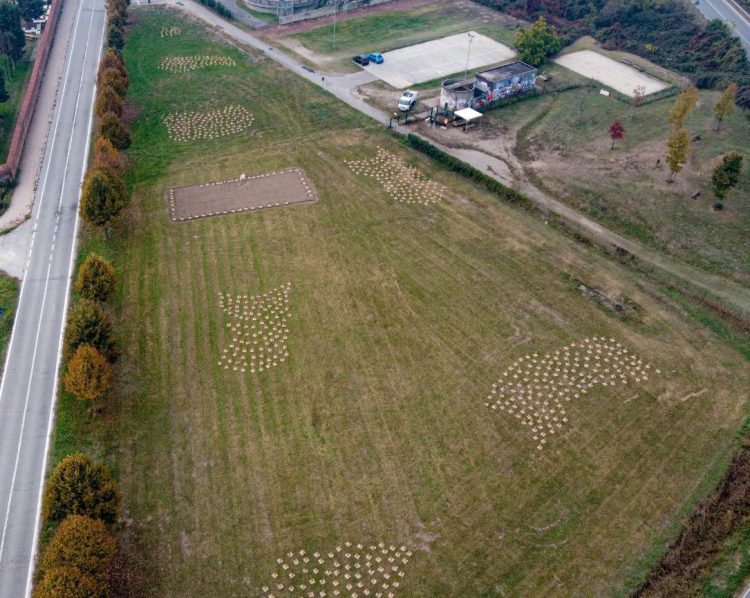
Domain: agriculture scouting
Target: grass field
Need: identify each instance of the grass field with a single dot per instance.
(564, 140)
(402, 317)
(9, 289)
(389, 30)
(16, 87)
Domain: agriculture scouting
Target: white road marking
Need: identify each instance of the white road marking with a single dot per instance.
(44, 299)
(32, 556)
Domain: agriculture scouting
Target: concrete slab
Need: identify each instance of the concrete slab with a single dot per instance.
(610, 72)
(438, 58)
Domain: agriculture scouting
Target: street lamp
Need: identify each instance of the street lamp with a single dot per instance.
(335, 10)
(468, 54)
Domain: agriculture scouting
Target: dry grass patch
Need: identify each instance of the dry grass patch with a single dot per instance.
(193, 126)
(245, 194)
(404, 183)
(183, 64)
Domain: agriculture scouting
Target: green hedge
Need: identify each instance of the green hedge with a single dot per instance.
(456, 165)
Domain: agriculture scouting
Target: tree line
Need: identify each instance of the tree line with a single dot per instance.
(12, 39)
(706, 53)
(82, 499)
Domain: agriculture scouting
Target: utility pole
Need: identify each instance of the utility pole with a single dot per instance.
(468, 55)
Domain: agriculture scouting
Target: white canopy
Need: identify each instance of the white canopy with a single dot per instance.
(468, 114)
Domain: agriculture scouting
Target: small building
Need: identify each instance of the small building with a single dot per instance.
(505, 81)
(456, 94)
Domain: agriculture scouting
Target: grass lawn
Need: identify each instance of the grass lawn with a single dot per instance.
(385, 31)
(564, 140)
(9, 289)
(402, 318)
(15, 85)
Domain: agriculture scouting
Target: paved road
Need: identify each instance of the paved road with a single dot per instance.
(731, 13)
(29, 383)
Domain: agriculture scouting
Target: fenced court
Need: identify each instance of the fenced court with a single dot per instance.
(245, 194)
(439, 58)
(610, 72)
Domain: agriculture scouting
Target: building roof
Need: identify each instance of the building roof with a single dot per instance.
(468, 114)
(506, 71)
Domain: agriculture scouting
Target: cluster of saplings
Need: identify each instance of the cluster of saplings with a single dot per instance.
(727, 174)
(81, 498)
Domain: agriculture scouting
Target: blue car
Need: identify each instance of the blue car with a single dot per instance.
(375, 57)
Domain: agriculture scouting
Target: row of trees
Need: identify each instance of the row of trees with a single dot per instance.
(83, 499)
(81, 496)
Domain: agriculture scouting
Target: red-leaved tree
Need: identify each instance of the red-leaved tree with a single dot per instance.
(616, 131)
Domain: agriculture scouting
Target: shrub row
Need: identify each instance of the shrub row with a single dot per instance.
(218, 8)
(456, 165)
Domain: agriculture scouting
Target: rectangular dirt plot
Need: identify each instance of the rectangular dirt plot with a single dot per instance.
(245, 194)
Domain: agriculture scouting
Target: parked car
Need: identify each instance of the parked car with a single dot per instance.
(375, 57)
(361, 59)
(407, 100)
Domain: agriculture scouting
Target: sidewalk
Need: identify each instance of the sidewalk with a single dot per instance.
(36, 139)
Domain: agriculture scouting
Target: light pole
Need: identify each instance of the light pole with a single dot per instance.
(335, 10)
(468, 55)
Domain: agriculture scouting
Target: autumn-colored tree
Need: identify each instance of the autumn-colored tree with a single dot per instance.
(82, 543)
(69, 582)
(80, 486)
(537, 43)
(117, 79)
(89, 324)
(616, 131)
(89, 375)
(108, 101)
(727, 174)
(678, 148)
(112, 59)
(103, 197)
(112, 129)
(682, 108)
(105, 154)
(725, 106)
(96, 278)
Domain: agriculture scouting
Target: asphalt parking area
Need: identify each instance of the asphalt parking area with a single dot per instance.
(439, 58)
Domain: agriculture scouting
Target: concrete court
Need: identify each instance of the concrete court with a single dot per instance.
(438, 58)
(610, 72)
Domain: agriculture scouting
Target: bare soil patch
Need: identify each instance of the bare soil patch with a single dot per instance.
(245, 194)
